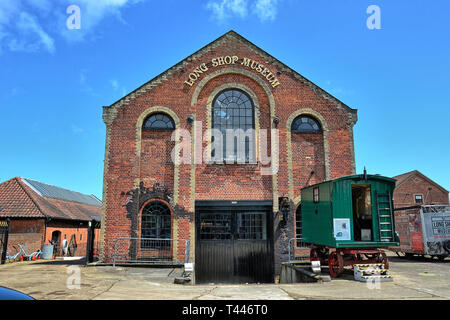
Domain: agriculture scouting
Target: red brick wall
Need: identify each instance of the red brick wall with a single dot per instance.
(30, 234)
(404, 194)
(156, 163)
(307, 155)
(67, 229)
(215, 182)
(27, 232)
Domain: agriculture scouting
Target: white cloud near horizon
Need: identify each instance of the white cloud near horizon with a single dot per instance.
(36, 25)
(265, 10)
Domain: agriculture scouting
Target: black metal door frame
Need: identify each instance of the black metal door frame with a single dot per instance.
(235, 260)
(92, 225)
(4, 234)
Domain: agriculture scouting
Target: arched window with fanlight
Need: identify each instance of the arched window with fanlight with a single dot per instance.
(233, 119)
(156, 224)
(158, 121)
(305, 124)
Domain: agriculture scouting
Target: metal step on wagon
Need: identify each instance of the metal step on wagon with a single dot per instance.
(349, 221)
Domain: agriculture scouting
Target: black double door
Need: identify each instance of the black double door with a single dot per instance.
(234, 242)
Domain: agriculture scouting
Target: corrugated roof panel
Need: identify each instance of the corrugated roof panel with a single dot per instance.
(50, 191)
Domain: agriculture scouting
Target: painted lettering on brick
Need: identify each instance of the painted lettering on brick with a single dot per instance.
(197, 73)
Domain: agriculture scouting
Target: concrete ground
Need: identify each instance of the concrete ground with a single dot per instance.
(420, 278)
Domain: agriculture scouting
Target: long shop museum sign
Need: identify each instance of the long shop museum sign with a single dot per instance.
(232, 60)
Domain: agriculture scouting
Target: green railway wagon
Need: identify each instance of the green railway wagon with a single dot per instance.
(354, 216)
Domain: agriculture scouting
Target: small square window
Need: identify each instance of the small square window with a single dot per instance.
(418, 199)
(316, 195)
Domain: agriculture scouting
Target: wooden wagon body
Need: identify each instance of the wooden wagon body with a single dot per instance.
(349, 220)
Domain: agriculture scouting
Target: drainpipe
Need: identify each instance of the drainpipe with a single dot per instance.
(46, 221)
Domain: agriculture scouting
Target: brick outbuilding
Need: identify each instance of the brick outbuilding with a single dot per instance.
(167, 176)
(414, 188)
(40, 213)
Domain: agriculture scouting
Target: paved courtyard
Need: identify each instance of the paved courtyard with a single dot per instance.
(413, 279)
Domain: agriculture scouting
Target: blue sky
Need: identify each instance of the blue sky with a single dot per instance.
(55, 81)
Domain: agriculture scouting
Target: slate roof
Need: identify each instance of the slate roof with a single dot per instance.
(50, 191)
(26, 198)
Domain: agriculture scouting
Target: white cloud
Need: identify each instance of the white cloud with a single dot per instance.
(114, 84)
(84, 84)
(266, 9)
(224, 9)
(33, 25)
(117, 87)
(93, 12)
(76, 130)
(29, 27)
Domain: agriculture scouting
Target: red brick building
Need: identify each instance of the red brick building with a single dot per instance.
(414, 188)
(165, 175)
(39, 213)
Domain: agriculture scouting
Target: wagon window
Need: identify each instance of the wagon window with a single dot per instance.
(316, 195)
(418, 198)
(158, 121)
(305, 124)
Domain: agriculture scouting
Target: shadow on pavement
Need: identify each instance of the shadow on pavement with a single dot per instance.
(414, 259)
(81, 261)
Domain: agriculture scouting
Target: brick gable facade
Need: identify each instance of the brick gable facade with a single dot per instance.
(412, 184)
(139, 163)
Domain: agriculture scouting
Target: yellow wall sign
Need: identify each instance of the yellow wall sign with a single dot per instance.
(233, 60)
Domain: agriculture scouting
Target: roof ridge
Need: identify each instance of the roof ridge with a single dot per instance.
(409, 174)
(406, 173)
(19, 181)
(51, 185)
(430, 180)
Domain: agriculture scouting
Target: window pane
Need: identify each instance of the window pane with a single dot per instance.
(158, 121)
(316, 195)
(305, 124)
(236, 109)
(251, 226)
(156, 224)
(215, 227)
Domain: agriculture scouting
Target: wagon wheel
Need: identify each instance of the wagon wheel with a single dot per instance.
(382, 258)
(335, 264)
(318, 254)
(442, 257)
(314, 255)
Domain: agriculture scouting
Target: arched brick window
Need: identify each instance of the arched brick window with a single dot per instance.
(305, 124)
(233, 116)
(158, 121)
(155, 224)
